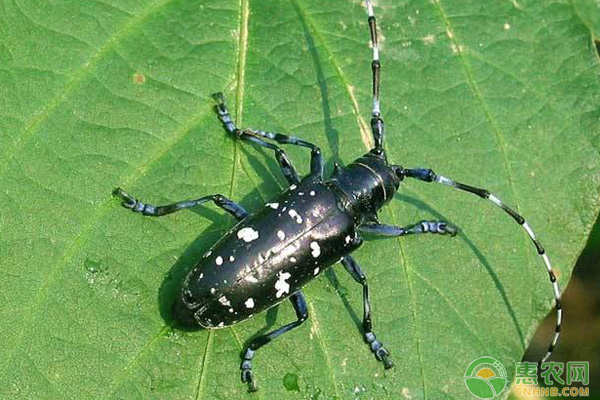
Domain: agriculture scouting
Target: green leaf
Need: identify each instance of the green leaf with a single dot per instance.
(95, 95)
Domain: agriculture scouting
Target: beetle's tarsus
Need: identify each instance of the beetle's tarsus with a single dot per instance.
(378, 350)
(127, 200)
(246, 367)
(218, 97)
(248, 377)
(445, 228)
(384, 356)
(450, 229)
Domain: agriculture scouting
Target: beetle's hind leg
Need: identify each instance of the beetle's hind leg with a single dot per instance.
(299, 305)
(376, 347)
(221, 201)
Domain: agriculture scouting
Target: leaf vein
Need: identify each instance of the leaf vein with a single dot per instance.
(78, 76)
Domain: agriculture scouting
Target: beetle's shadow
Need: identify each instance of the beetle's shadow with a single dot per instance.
(478, 254)
(341, 290)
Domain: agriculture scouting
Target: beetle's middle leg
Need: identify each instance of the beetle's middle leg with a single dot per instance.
(221, 201)
(435, 227)
(376, 347)
(299, 305)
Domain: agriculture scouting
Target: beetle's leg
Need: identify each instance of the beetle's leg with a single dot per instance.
(438, 227)
(376, 347)
(299, 305)
(157, 211)
(316, 157)
(285, 163)
(282, 158)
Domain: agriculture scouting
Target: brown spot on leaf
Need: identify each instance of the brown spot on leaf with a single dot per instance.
(139, 78)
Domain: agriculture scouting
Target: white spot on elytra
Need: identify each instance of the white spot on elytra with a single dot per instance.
(312, 193)
(300, 193)
(315, 249)
(247, 234)
(281, 235)
(316, 270)
(249, 303)
(348, 239)
(219, 260)
(231, 310)
(293, 187)
(212, 290)
(224, 300)
(281, 285)
(293, 259)
(295, 215)
(274, 206)
(251, 278)
(231, 258)
(201, 276)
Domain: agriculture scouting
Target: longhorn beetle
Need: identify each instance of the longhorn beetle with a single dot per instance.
(270, 255)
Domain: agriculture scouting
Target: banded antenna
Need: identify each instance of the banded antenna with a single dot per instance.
(428, 175)
(376, 121)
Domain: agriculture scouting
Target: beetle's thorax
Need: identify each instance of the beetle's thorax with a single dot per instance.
(369, 183)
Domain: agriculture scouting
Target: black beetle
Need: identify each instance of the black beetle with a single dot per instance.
(271, 254)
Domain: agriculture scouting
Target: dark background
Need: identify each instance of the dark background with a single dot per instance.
(581, 324)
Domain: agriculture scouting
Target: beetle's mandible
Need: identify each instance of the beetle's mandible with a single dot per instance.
(271, 254)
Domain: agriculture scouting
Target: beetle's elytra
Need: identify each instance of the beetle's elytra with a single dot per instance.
(271, 254)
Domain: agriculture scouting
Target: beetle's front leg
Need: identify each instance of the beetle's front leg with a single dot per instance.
(259, 137)
(376, 347)
(299, 305)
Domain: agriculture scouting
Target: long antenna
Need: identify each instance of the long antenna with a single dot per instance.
(376, 121)
(427, 175)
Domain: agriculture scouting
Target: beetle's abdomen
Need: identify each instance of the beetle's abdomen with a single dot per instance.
(270, 255)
